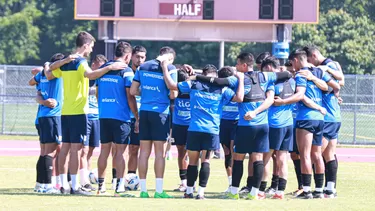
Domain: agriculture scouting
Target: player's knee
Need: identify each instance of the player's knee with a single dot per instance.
(228, 160)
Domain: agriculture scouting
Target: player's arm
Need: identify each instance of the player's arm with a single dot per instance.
(311, 104)
(97, 92)
(32, 81)
(298, 96)
(50, 102)
(134, 89)
(240, 89)
(321, 84)
(270, 95)
(173, 95)
(336, 72)
(132, 103)
(57, 64)
(92, 75)
(171, 84)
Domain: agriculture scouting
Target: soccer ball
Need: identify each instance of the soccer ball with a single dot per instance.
(131, 182)
(93, 176)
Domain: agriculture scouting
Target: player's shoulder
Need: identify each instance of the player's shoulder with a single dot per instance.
(127, 72)
(74, 65)
(148, 64)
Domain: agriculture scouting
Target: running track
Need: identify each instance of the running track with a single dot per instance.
(31, 148)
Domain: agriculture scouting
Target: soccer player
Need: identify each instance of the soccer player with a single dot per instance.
(280, 120)
(332, 121)
(180, 123)
(154, 118)
(228, 126)
(115, 105)
(93, 125)
(51, 99)
(260, 58)
(206, 101)
(309, 122)
(138, 58)
(76, 73)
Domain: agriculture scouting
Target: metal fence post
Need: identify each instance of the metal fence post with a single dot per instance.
(355, 111)
(3, 101)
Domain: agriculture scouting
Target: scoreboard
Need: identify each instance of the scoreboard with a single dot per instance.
(210, 11)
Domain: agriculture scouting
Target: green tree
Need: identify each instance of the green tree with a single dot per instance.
(19, 36)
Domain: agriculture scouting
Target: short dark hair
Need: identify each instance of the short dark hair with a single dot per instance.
(210, 68)
(271, 60)
(100, 58)
(56, 57)
(122, 48)
(225, 72)
(84, 38)
(261, 57)
(182, 75)
(139, 48)
(300, 54)
(246, 58)
(310, 49)
(167, 49)
(288, 64)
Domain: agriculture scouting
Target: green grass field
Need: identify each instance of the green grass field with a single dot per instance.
(355, 189)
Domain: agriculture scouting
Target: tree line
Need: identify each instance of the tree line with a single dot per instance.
(32, 30)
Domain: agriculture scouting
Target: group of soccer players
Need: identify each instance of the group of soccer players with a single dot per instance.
(265, 113)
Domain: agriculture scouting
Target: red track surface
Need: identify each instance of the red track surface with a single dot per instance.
(31, 148)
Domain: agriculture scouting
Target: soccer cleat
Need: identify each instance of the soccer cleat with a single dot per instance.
(278, 196)
(261, 196)
(52, 191)
(297, 192)
(244, 190)
(102, 193)
(188, 196)
(233, 196)
(40, 190)
(251, 197)
(181, 188)
(144, 195)
(124, 194)
(80, 191)
(270, 192)
(88, 187)
(162, 195)
(58, 186)
(64, 192)
(227, 190)
(318, 195)
(37, 187)
(305, 195)
(199, 197)
(329, 195)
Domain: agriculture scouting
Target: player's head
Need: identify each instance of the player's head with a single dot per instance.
(313, 55)
(98, 61)
(123, 51)
(261, 57)
(209, 70)
(182, 75)
(270, 64)
(245, 62)
(168, 50)
(85, 41)
(56, 57)
(225, 72)
(138, 55)
(289, 67)
(298, 58)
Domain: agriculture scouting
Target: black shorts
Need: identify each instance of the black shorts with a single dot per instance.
(38, 130)
(50, 129)
(251, 139)
(331, 130)
(93, 133)
(134, 137)
(153, 126)
(313, 126)
(180, 134)
(281, 138)
(227, 131)
(198, 141)
(74, 129)
(113, 130)
(295, 146)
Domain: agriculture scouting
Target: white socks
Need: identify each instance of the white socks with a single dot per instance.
(306, 189)
(184, 182)
(83, 176)
(254, 191)
(201, 191)
(143, 185)
(233, 190)
(230, 180)
(64, 181)
(75, 184)
(189, 190)
(159, 185)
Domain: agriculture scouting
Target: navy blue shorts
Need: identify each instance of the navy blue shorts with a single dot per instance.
(153, 126)
(113, 130)
(38, 130)
(74, 129)
(227, 131)
(93, 133)
(50, 129)
(134, 137)
(295, 146)
(251, 139)
(281, 138)
(180, 134)
(198, 141)
(313, 126)
(331, 130)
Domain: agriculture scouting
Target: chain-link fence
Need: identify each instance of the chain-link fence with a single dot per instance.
(18, 106)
